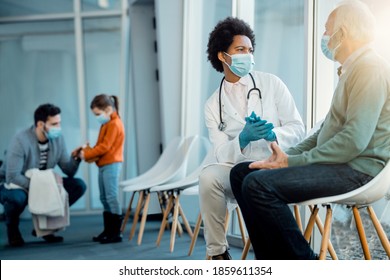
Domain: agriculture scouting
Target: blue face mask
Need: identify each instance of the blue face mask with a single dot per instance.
(102, 118)
(53, 133)
(330, 54)
(241, 64)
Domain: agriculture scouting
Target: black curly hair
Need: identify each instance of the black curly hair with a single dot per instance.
(222, 37)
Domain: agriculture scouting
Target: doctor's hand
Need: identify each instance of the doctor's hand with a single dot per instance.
(253, 118)
(278, 159)
(271, 136)
(254, 131)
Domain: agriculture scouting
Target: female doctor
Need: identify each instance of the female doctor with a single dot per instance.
(249, 110)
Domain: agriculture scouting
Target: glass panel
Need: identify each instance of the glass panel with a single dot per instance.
(102, 38)
(34, 7)
(214, 11)
(381, 10)
(38, 66)
(100, 5)
(280, 38)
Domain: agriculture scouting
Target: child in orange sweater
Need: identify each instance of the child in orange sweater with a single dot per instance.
(108, 156)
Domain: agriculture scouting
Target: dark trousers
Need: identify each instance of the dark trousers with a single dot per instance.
(264, 197)
(15, 200)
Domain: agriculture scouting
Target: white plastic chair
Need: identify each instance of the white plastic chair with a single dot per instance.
(362, 197)
(190, 180)
(164, 160)
(174, 189)
(173, 171)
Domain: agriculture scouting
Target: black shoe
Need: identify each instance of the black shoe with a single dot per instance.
(111, 239)
(51, 238)
(100, 237)
(223, 256)
(14, 236)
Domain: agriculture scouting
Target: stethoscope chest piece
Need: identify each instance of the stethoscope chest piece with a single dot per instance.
(222, 126)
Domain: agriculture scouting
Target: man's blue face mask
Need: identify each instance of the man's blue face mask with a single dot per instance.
(330, 54)
(53, 132)
(241, 64)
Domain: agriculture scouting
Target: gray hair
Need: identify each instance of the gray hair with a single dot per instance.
(357, 19)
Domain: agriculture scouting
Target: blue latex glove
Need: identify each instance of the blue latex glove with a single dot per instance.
(254, 129)
(271, 136)
(253, 118)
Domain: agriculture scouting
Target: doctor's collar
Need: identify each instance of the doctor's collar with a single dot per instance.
(246, 80)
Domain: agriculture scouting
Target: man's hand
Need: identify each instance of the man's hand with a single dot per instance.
(82, 155)
(278, 159)
(76, 153)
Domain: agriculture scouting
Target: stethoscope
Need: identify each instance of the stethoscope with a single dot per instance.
(222, 125)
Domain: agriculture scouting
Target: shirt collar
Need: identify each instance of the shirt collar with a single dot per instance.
(242, 81)
(348, 62)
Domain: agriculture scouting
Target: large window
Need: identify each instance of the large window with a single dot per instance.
(20, 8)
(53, 52)
(38, 66)
(280, 44)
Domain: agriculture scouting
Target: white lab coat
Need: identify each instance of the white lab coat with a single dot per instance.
(279, 109)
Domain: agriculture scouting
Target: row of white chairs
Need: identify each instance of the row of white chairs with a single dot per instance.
(169, 174)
